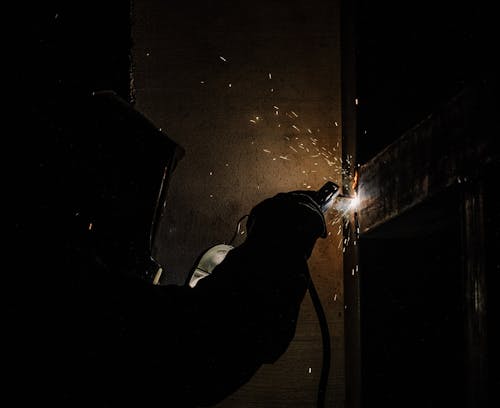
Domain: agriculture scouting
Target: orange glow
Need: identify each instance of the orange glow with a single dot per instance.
(355, 181)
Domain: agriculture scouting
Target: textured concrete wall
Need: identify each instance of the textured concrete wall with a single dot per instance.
(252, 92)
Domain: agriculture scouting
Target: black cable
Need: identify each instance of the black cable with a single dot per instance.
(325, 337)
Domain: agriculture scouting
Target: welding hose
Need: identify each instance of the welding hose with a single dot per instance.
(325, 338)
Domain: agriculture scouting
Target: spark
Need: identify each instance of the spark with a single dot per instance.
(222, 58)
(284, 158)
(202, 82)
(267, 151)
(270, 76)
(336, 124)
(253, 121)
(275, 107)
(309, 130)
(354, 202)
(310, 370)
(211, 173)
(90, 226)
(296, 128)
(230, 85)
(294, 114)
(335, 297)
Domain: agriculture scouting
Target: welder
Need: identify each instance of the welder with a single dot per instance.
(105, 336)
(196, 346)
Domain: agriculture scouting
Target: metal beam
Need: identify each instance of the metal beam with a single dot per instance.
(450, 147)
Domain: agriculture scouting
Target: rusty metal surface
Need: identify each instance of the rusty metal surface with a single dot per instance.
(450, 147)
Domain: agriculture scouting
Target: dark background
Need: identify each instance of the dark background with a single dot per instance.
(412, 58)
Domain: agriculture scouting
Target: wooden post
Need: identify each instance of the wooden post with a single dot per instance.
(350, 102)
(474, 291)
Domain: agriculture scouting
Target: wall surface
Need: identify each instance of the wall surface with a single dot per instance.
(251, 91)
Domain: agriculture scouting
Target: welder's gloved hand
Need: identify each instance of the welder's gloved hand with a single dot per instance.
(245, 312)
(292, 219)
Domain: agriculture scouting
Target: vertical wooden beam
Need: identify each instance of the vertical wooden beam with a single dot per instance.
(474, 274)
(350, 259)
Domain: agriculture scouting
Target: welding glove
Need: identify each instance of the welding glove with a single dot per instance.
(291, 219)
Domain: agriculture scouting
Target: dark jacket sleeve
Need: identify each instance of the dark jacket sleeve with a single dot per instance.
(244, 315)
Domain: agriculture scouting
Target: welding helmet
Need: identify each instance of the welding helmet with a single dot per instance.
(109, 179)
